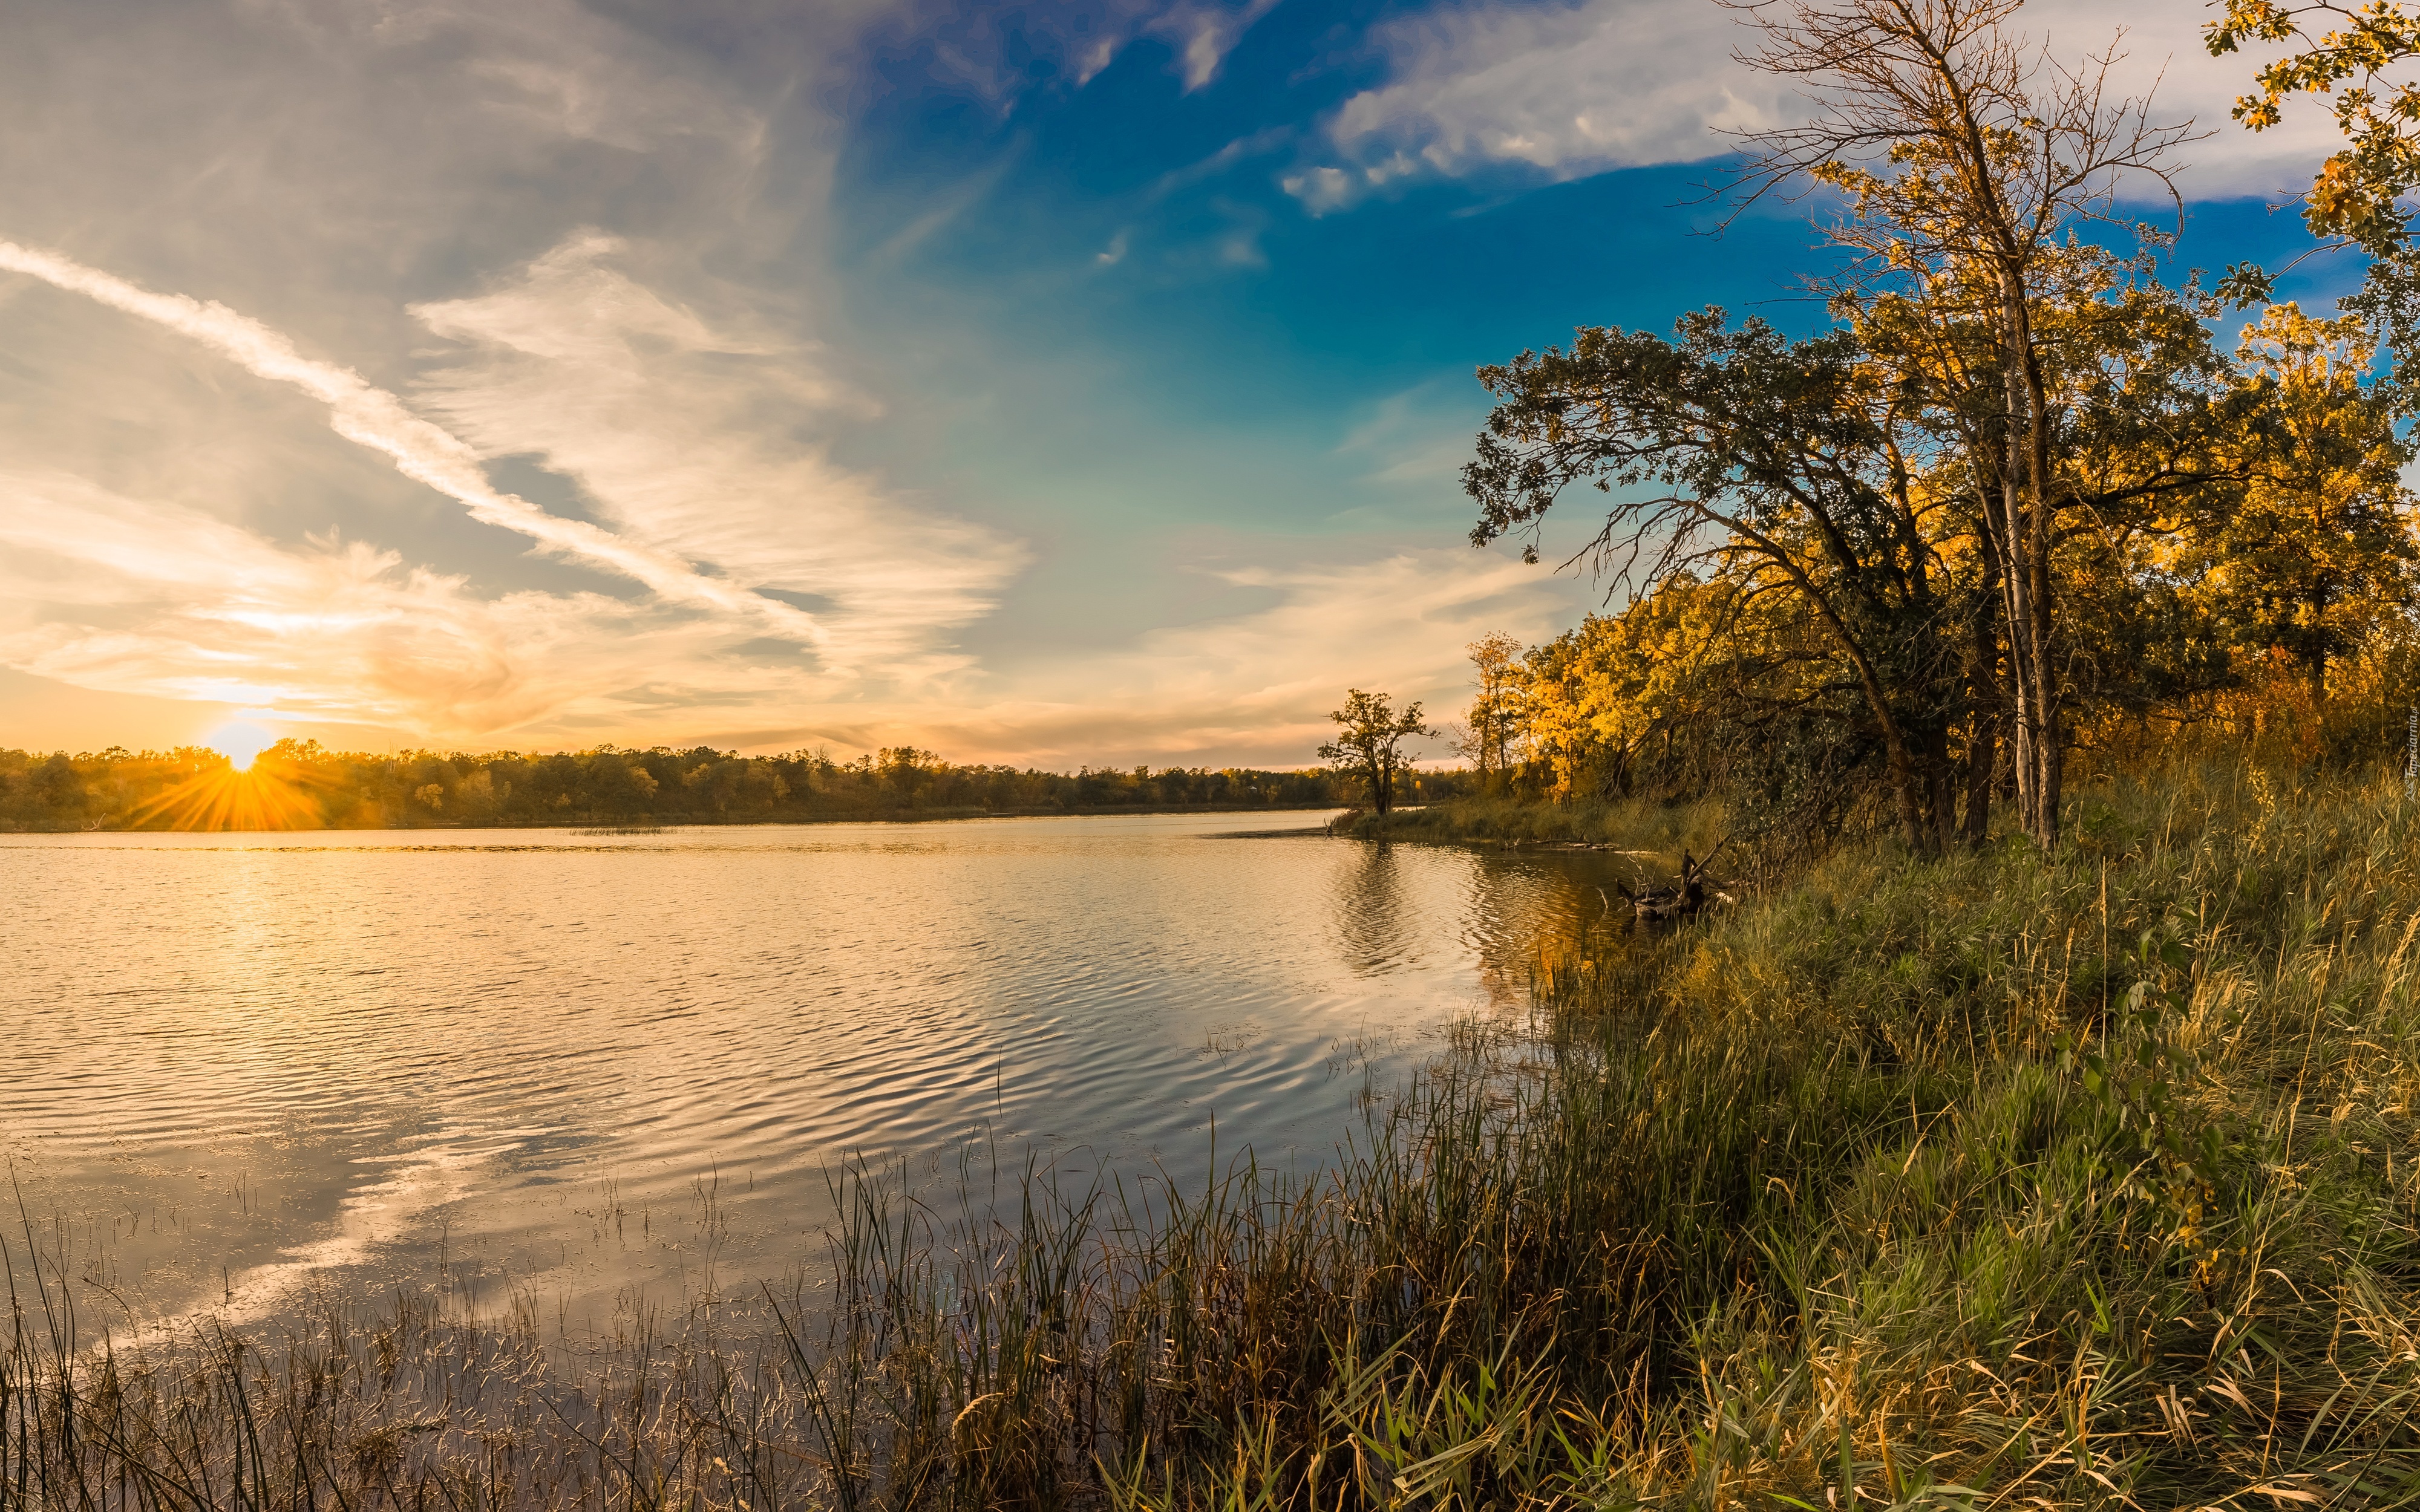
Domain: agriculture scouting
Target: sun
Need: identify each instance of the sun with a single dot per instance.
(239, 742)
(260, 788)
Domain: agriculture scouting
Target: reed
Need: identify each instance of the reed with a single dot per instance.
(405, 1404)
(1983, 1180)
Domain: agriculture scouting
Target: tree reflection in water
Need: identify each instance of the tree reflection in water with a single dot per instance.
(1515, 912)
(1377, 925)
(1535, 913)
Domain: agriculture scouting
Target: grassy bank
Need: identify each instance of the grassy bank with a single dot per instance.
(1636, 823)
(1974, 1182)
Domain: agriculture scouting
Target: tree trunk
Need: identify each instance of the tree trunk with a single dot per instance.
(1941, 799)
(2050, 750)
(2025, 499)
(1907, 783)
(1982, 758)
(1983, 697)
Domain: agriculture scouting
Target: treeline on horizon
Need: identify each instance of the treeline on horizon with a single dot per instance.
(316, 788)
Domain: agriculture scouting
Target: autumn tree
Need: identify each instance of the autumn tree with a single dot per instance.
(617, 785)
(1369, 743)
(1970, 162)
(2007, 414)
(58, 784)
(2318, 551)
(2359, 187)
(1685, 689)
(1494, 718)
(1784, 466)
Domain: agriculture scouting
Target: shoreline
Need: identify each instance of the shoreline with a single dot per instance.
(646, 826)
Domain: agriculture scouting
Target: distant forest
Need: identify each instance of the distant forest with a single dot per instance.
(301, 786)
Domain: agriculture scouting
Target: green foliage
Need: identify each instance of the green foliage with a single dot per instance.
(1625, 823)
(2358, 188)
(2313, 560)
(2134, 1079)
(2359, 58)
(1369, 746)
(1817, 625)
(2014, 495)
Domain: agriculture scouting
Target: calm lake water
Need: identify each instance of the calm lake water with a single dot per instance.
(238, 1066)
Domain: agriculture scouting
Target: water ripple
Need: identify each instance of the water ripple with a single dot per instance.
(241, 1062)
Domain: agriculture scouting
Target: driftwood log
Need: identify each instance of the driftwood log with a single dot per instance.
(1688, 894)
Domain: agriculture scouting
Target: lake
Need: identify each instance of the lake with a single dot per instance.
(596, 1069)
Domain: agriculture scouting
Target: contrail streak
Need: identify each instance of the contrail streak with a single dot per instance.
(362, 412)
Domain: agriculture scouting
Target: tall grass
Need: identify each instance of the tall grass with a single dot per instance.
(1984, 1181)
(412, 1403)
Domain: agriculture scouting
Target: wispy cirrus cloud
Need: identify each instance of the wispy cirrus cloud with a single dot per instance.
(1254, 686)
(157, 597)
(1566, 90)
(686, 441)
(1202, 35)
(686, 436)
(1579, 89)
(701, 443)
(374, 418)
(545, 397)
(1206, 34)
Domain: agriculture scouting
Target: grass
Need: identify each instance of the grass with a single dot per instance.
(1975, 1182)
(410, 1404)
(1633, 824)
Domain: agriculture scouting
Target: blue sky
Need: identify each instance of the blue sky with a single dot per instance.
(1050, 383)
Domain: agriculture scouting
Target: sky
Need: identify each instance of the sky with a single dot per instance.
(1048, 384)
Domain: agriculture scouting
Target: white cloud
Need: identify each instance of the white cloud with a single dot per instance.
(153, 597)
(691, 433)
(394, 213)
(376, 419)
(1257, 685)
(697, 439)
(1200, 34)
(1205, 35)
(1096, 57)
(1613, 83)
(688, 438)
(2161, 55)
(1320, 189)
(1610, 84)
